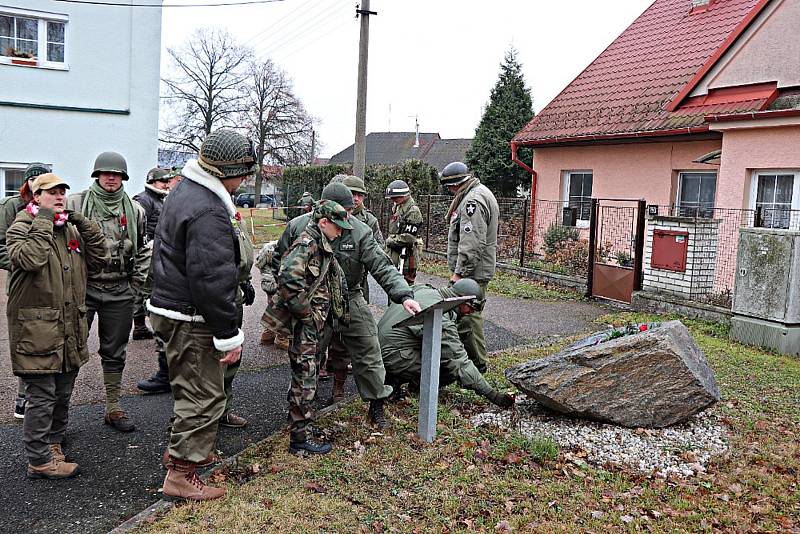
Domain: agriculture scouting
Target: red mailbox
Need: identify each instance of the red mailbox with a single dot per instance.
(669, 250)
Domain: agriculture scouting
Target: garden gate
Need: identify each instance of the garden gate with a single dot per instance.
(616, 248)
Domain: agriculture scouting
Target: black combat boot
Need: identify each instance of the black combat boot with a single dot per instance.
(309, 446)
(159, 382)
(376, 415)
(140, 329)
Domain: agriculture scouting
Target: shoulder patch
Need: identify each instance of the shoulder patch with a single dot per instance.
(468, 228)
(471, 208)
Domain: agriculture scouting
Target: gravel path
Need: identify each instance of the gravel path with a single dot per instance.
(121, 473)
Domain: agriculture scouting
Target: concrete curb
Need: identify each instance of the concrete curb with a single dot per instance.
(165, 505)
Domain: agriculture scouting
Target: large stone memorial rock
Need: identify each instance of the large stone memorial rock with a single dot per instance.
(650, 379)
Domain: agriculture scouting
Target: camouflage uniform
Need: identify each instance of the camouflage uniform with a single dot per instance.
(404, 226)
(357, 252)
(302, 305)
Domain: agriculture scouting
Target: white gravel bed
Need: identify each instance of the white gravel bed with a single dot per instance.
(682, 450)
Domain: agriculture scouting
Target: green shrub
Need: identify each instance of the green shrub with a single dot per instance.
(557, 235)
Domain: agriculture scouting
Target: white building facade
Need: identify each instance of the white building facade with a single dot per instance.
(77, 80)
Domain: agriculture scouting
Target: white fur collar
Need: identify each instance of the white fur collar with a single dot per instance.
(195, 173)
(157, 191)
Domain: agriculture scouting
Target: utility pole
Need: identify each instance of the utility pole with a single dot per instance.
(313, 146)
(360, 148)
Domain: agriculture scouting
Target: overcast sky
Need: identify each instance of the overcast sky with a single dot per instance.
(435, 59)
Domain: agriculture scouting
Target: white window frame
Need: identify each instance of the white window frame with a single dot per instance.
(794, 221)
(681, 174)
(565, 181)
(8, 167)
(43, 18)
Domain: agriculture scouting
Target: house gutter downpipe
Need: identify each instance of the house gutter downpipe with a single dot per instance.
(534, 179)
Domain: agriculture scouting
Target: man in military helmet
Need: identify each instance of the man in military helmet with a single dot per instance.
(306, 202)
(152, 200)
(471, 245)
(309, 285)
(196, 274)
(402, 347)
(357, 251)
(403, 244)
(9, 207)
(360, 212)
(110, 291)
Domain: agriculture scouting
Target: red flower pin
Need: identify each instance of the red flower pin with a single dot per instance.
(238, 216)
(123, 221)
(642, 328)
(74, 246)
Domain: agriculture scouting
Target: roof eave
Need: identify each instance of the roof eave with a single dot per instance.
(752, 115)
(605, 137)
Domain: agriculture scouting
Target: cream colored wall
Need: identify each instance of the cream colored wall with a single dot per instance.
(769, 51)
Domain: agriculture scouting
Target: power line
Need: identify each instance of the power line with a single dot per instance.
(268, 28)
(300, 32)
(121, 4)
(290, 28)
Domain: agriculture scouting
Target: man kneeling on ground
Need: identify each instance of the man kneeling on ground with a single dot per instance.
(402, 347)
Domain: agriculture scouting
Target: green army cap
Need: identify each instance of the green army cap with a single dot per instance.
(35, 169)
(355, 184)
(334, 212)
(340, 194)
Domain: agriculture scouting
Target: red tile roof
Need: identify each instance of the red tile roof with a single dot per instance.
(628, 89)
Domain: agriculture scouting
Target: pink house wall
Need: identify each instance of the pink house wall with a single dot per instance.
(747, 150)
(633, 170)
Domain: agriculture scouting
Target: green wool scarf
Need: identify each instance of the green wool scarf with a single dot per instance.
(107, 205)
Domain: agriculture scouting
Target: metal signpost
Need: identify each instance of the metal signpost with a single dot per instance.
(431, 320)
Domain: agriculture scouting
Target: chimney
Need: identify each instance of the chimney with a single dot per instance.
(698, 6)
(416, 138)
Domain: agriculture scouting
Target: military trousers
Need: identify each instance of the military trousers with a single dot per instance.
(232, 370)
(46, 413)
(197, 381)
(113, 305)
(409, 265)
(470, 331)
(359, 342)
(303, 385)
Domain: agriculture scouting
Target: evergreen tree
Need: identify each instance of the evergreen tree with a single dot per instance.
(510, 108)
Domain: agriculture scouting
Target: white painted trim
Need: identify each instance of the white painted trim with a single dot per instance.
(33, 13)
(565, 180)
(680, 185)
(795, 187)
(42, 19)
(768, 122)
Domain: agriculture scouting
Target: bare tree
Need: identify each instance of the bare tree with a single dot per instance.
(204, 91)
(277, 121)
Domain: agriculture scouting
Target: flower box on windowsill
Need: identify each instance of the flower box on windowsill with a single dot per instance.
(29, 62)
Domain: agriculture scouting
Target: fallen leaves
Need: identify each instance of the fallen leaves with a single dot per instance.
(313, 486)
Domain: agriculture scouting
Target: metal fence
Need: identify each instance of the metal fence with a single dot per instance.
(522, 231)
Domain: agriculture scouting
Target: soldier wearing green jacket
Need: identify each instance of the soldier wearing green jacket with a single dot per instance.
(51, 251)
(9, 207)
(111, 289)
(403, 245)
(308, 289)
(471, 245)
(402, 347)
(357, 251)
(360, 212)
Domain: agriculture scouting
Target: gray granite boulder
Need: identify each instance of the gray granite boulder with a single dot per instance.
(650, 379)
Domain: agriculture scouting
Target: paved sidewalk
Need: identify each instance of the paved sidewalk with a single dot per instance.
(121, 473)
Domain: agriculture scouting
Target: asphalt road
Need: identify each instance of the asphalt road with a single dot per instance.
(121, 473)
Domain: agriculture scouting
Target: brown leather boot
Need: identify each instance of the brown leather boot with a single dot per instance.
(140, 329)
(57, 453)
(53, 470)
(267, 337)
(339, 379)
(182, 482)
(281, 342)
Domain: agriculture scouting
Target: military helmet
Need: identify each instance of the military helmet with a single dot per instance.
(340, 194)
(35, 169)
(227, 154)
(468, 286)
(398, 188)
(355, 184)
(157, 174)
(454, 173)
(110, 162)
(338, 179)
